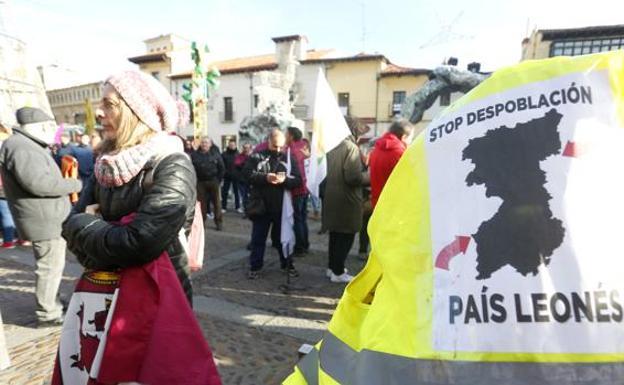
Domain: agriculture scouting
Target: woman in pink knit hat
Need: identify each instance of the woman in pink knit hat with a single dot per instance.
(137, 113)
(129, 230)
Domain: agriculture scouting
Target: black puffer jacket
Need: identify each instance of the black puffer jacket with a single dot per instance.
(162, 208)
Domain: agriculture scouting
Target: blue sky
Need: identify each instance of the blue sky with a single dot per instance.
(96, 37)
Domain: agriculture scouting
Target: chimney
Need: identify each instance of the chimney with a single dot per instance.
(452, 61)
(290, 47)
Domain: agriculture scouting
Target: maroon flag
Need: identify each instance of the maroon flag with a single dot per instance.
(154, 337)
(139, 328)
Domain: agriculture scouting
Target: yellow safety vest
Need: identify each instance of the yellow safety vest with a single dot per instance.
(496, 257)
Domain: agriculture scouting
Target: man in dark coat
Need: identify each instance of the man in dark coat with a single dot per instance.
(267, 174)
(39, 202)
(229, 179)
(342, 204)
(210, 170)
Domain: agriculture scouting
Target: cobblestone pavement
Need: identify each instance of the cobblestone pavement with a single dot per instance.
(253, 327)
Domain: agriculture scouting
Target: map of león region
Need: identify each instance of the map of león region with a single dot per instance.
(523, 232)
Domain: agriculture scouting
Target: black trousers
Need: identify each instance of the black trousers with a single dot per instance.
(339, 247)
(208, 192)
(259, 232)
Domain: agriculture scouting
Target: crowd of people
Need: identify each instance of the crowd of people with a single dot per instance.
(134, 168)
(258, 178)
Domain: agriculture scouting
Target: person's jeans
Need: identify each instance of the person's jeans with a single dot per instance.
(339, 246)
(259, 232)
(227, 182)
(315, 203)
(50, 261)
(300, 207)
(209, 190)
(243, 193)
(8, 226)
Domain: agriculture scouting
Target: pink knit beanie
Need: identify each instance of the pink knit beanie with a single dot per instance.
(149, 100)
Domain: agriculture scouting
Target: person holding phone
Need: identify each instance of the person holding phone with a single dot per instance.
(266, 173)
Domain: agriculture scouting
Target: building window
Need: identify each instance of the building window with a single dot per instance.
(585, 46)
(256, 99)
(228, 112)
(156, 75)
(398, 97)
(445, 99)
(343, 102)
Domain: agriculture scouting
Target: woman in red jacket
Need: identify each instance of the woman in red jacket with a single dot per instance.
(386, 154)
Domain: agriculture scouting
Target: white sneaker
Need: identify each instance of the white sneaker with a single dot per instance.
(328, 272)
(343, 278)
(240, 210)
(210, 216)
(223, 211)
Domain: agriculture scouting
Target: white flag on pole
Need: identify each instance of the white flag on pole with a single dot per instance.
(329, 128)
